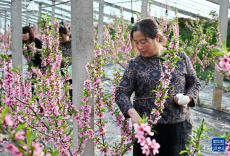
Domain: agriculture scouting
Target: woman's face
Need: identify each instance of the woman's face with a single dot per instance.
(146, 46)
(25, 37)
(64, 38)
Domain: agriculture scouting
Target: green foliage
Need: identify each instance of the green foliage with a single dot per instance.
(144, 119)
(194, 144)
(4, 112)
(226, 136)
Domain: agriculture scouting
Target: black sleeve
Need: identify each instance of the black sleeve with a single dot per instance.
(38, 43)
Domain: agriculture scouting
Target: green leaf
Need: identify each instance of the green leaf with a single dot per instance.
(29, 137)
(163, 58)
(55, 153)
(19, 128)
(183, 152)
(48, 148)
(140, 120)
(103, 109)
(218, 53)
(228, 135)
(14, 70)
(154, 91)
(205, 136)
(4, 112)
(218, 135)
(165, 97)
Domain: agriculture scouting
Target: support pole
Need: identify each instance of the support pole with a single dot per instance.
(5, 29)
(100, 22)
(0, 23)
(27, 18)
(53, 12)
(223, 17)
(16, 30)
(144, 8)
(40, 12)
(82, 52)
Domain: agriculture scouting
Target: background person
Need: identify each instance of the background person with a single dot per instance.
(142, 75)
(65, 47)
(28, 38)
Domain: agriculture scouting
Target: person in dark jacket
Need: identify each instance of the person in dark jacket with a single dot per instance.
(142, 75)
(65, 47)
(28, 38)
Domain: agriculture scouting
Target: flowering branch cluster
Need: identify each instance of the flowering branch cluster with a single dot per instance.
(117, 44)
(50, 92)
(203, 43)
(170, 62)
(102, 101)
(142, 132)
(224, 69)
(21, 142)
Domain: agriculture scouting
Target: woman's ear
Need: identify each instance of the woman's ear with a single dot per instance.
(158, 37)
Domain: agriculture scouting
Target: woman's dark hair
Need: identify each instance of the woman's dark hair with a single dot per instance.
(28, 29)
(149, 28)
(63, 30)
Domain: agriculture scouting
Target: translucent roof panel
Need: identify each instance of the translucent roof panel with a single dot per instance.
(186, 9)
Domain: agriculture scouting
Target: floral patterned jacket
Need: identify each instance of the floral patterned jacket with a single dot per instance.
(142, 75)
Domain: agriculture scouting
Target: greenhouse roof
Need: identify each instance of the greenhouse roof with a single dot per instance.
(186, 9)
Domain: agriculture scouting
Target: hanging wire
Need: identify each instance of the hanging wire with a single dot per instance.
(132, 7)
(62, 22)
(132, 19)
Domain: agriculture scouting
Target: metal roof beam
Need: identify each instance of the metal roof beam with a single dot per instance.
(117, 7)
(56, 7)
(162, 5)
(2, 1)
(216, 2)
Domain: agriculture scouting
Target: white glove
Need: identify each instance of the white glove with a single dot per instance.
(183, 100)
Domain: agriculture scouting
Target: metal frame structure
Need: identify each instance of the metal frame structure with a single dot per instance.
(63, 9)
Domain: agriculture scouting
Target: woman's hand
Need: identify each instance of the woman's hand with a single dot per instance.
(133, 115)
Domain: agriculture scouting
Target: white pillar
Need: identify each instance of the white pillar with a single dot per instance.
(40, 9)
(16, 30)
(82, 51)
(223, 17)
(0, 23)
(5, 29)
(53, 12)
(144, 8)
(100, 22)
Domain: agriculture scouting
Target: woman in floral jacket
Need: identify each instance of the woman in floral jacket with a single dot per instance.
(142, 75)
